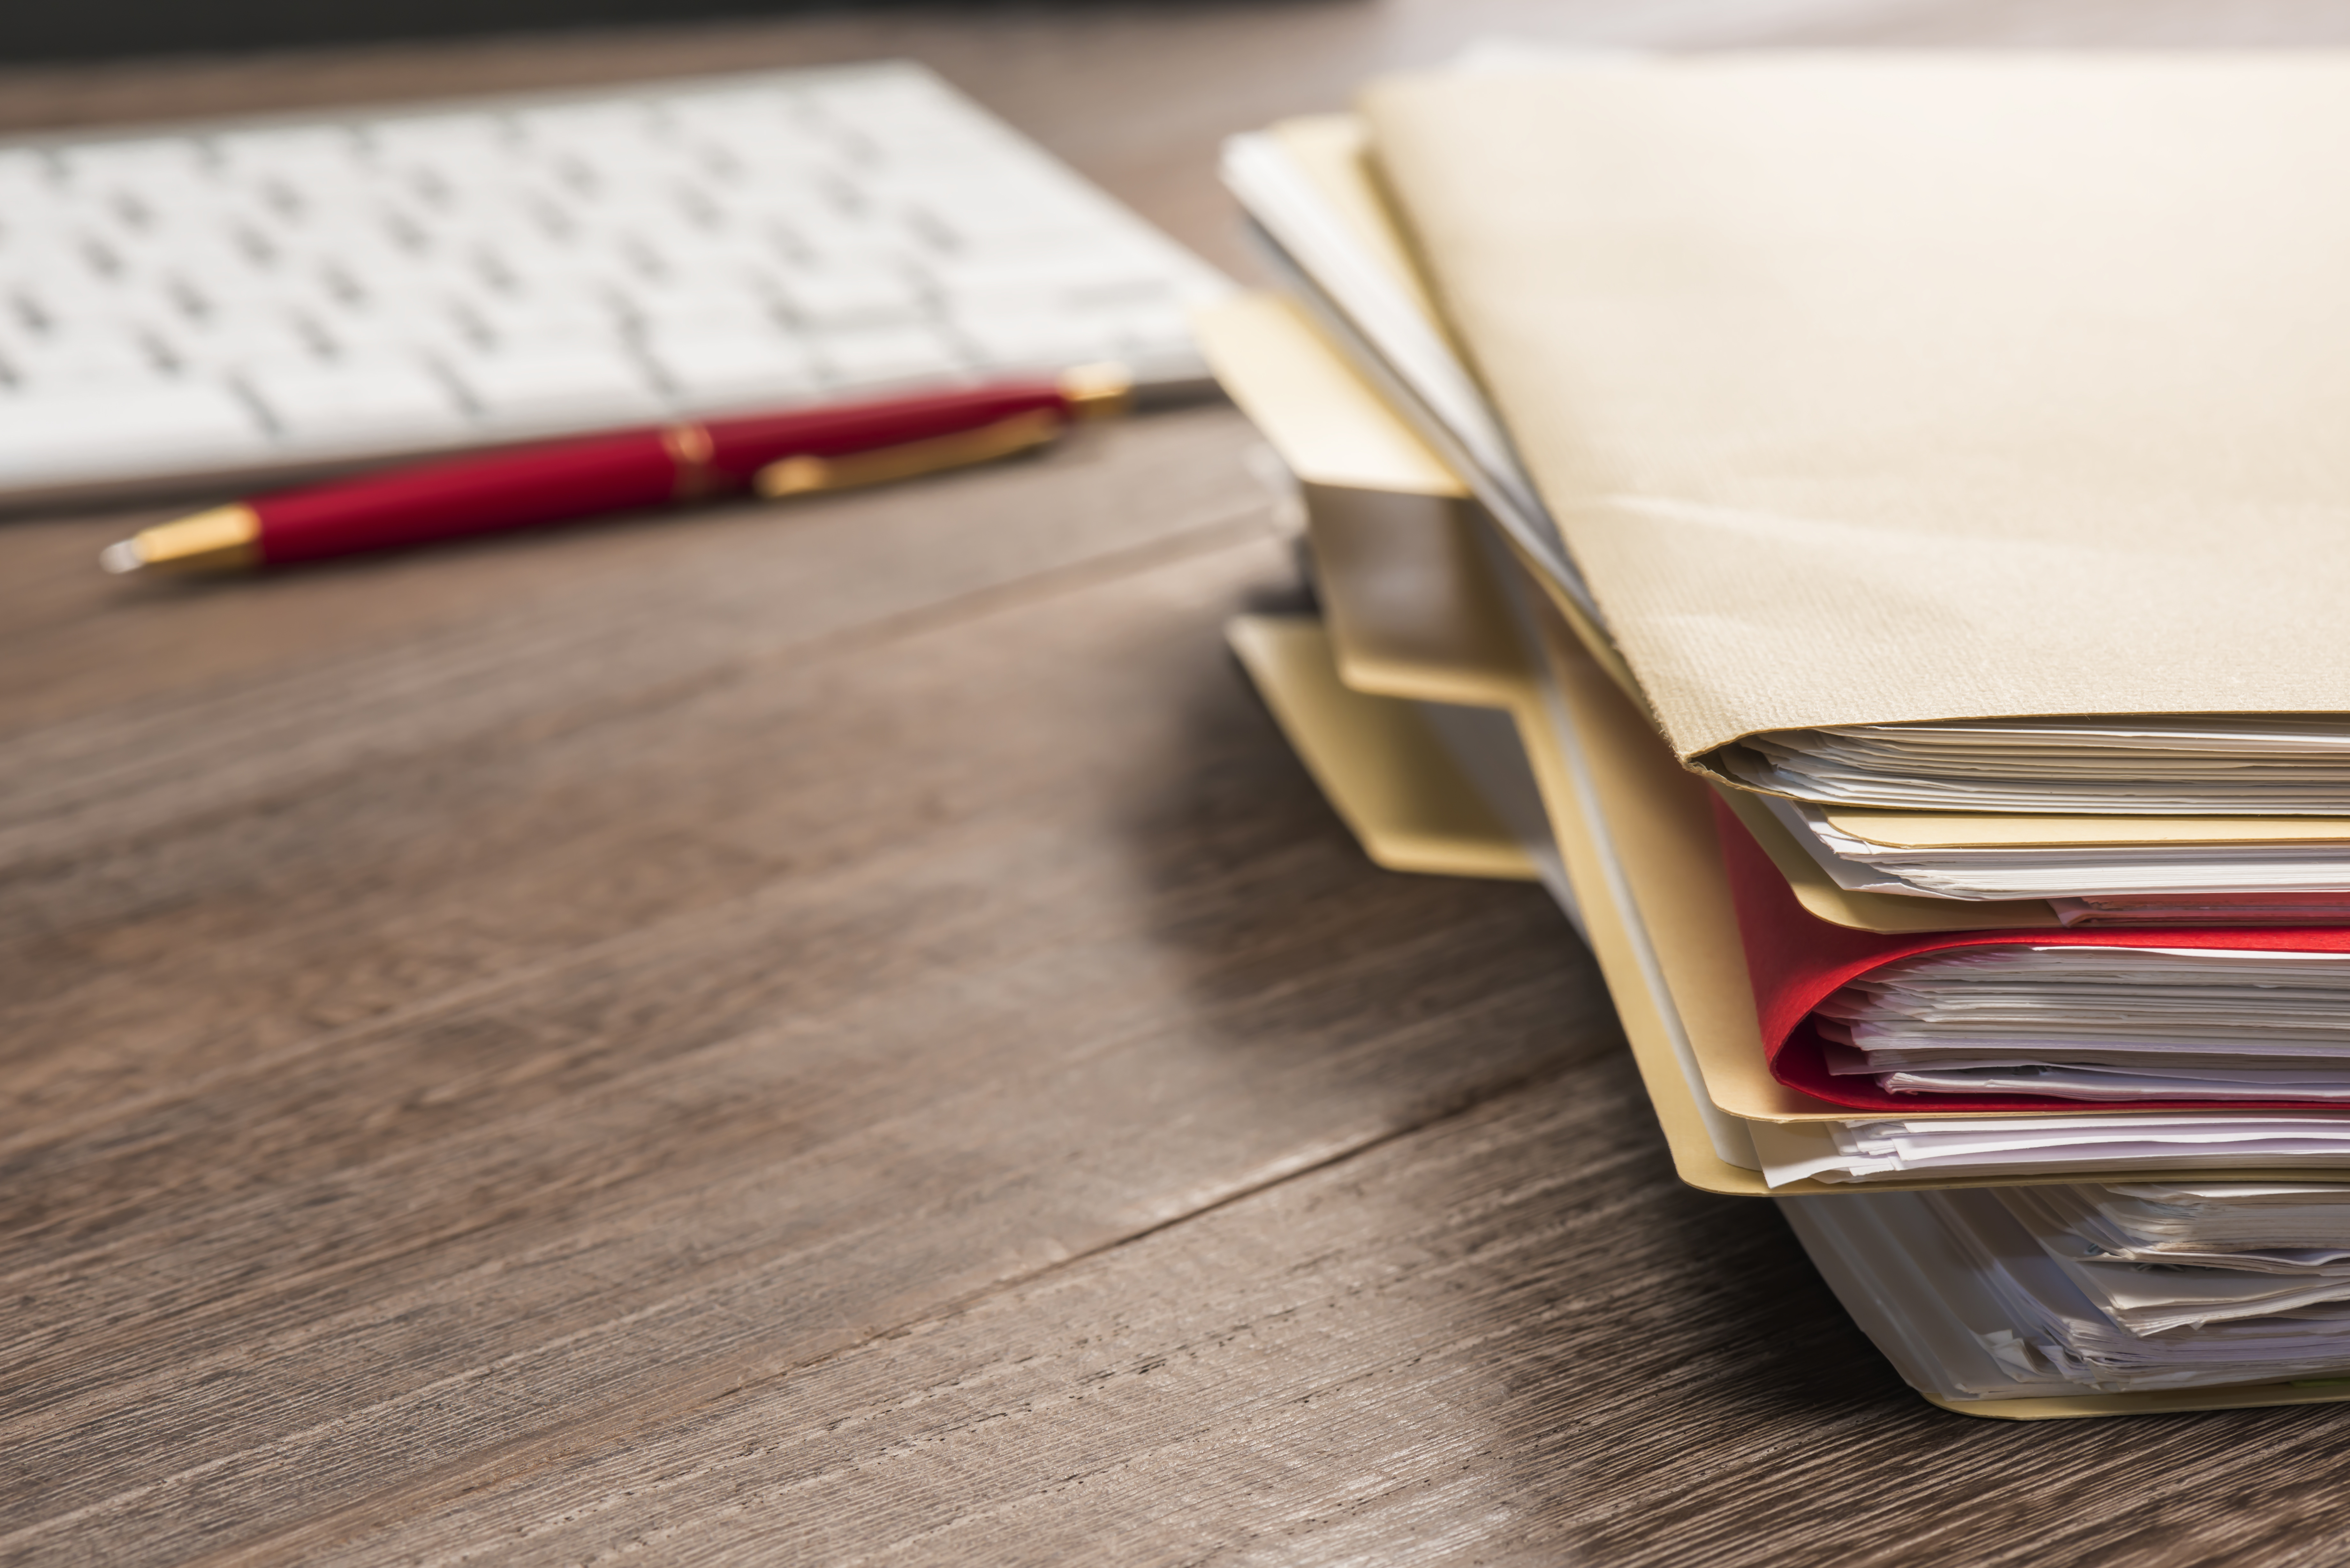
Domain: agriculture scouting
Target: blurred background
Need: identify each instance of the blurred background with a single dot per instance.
(100, 29)
(103, 28)
(1135, 94)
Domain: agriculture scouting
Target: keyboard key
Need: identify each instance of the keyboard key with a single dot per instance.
(726, 115)
(772, 175)
(30, 253)
(27, 180)
(883, 354)
(143, 163)
(283, 151)
(215, 257)
(991, 283)
(385, 280)
(1156, 324)
(570, 125)
(446, 139)
(719, 368)
(1033, 342)
(978, 214)
(106, 354)
(718, 308)
(354, 403)
(846, 299)
(693, 261)
(649, 202)
(223, 345)
(122, 433)
(551, 313)
(415, 327)
(552, 383)
(68, 295)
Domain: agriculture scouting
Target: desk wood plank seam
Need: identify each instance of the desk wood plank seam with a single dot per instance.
(520, 1457)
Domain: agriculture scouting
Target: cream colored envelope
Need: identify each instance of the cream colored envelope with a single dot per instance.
(1333, 151)
(1915, 388)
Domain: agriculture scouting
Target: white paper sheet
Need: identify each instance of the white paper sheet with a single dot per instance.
(2288, 765)
(2098, 1022)
(1990, 1148)
(1974, 1296)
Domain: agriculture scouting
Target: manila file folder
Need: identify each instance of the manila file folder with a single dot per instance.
(1919, 388)
(1442, 650)
(1635, 829)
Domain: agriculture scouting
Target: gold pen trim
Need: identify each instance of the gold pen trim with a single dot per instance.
(1087, 392)
(1098, 391)
(690, 450)
(225, 539)
(809, 475)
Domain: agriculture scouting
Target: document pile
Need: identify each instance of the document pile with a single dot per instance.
(1864, 532)
(2098, 1023)
(2286, 766)
(2004, 1294)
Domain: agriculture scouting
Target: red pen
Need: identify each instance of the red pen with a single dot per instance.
(802, 451)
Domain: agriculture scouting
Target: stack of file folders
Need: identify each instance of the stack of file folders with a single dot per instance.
(1867, 534)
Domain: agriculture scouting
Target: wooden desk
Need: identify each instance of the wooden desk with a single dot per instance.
(847, 1037)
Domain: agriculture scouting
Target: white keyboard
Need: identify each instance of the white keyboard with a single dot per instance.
(243, 299)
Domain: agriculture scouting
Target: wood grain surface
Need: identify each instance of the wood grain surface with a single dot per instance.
(844, 1036)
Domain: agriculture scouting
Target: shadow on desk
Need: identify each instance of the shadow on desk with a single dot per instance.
(1520, 1262)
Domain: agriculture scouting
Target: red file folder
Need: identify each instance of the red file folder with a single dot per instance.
(1795, 960)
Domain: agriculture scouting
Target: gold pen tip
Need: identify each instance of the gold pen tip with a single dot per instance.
(226, 538)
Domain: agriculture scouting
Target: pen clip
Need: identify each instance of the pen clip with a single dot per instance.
(807, 475)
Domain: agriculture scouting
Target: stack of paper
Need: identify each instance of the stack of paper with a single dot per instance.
(1809, 514)
(2299, 865)
(2256, 766)
(2098, 1022)
(2153, 1223)
(1985, 1294)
